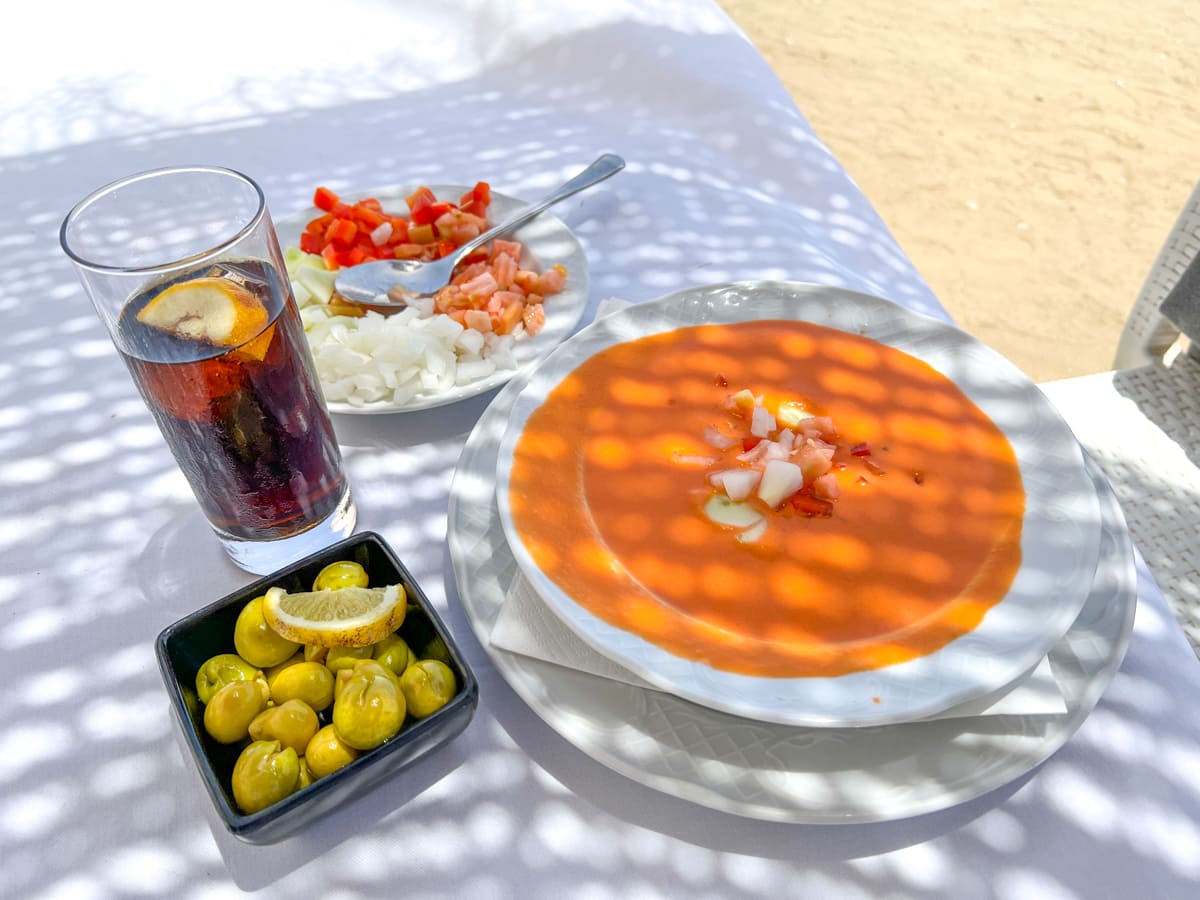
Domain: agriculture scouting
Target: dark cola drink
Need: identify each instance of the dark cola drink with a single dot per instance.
(243, 414)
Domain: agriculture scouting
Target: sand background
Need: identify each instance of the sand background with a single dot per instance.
(1029, 157)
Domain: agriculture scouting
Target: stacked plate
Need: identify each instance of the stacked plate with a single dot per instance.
(866, 746)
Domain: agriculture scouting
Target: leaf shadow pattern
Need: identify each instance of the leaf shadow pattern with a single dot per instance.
(103, 546)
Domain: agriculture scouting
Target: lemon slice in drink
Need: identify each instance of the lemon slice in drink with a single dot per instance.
(210, 309)
(346, 617)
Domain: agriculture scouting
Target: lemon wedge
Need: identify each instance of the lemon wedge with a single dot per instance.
(345, 617)
(211, 309)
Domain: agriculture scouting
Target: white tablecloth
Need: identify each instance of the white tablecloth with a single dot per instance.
(101, 543)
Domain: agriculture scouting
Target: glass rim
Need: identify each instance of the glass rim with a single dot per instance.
(211, 253)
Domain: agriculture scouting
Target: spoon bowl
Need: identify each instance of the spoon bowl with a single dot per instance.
(385, 283)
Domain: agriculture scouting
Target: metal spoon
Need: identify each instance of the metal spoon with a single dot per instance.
(368, 283)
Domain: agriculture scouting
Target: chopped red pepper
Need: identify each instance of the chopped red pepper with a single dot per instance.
(749, 443)
(428, 214)
(477, 200)
(813, 507)
(324, 198)
(367, 217)
(875, 467)
(419, 199)
(860, 450)
(341, 231)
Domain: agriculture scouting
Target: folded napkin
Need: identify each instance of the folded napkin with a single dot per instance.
(527, 627)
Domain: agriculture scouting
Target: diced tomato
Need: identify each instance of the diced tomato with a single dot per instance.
(534, 317)
(310, 243)
(342, 230)
(475, 256)
(428, 213)
(319, 224)
(479, 320)
(811, 506)
(365, 215)
(512, 307)
(419, 199)
(399, 230)
(489, 290)
(477, 200)
(551, 281)
(324, 198)
(509, 248)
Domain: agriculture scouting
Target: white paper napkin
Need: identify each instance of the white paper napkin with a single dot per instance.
(527, 627)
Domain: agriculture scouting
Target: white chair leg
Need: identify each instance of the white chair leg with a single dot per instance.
(1147, 334)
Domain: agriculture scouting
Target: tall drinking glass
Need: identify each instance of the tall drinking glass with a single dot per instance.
(183, 266)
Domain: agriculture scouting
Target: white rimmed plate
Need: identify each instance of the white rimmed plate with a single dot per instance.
(546, 241)
(1059, 543)
(776, 772)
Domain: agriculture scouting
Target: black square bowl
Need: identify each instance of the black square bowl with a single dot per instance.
(184, 646)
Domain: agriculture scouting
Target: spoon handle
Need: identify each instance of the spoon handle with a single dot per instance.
(605, 166)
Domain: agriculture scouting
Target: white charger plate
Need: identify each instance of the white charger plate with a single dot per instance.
(776, 772)
(546, 240)
(1059, 542)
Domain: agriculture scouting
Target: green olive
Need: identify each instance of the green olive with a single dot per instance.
(370, 667)
(306, 775)
(256, 642)
(264, 774)
(315, 653)
(233, 707)
(340, 575)
(427, 687)
(307, 681)
(369, 707)
(292, 724)
(435, 648)
(272, 672)
(327, 752)
(221, 670)
(393, 651)
(346, 657)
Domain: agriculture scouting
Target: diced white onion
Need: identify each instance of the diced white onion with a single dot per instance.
(753, 533)
(762, 423)
(380, 235)
(714, 438)
(724, 511)
(737, 483)
(780, 480)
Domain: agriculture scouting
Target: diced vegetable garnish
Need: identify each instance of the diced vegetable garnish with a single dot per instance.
(347, 234)
(786, 461)
(465, 330)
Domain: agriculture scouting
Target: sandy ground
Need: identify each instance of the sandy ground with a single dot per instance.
(1029, 157)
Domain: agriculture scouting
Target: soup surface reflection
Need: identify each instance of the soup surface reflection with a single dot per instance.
(609, 484)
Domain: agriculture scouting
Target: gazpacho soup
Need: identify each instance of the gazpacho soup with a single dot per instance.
(771, 498)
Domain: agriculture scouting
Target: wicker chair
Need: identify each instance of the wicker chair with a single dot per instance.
(1148, 334)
